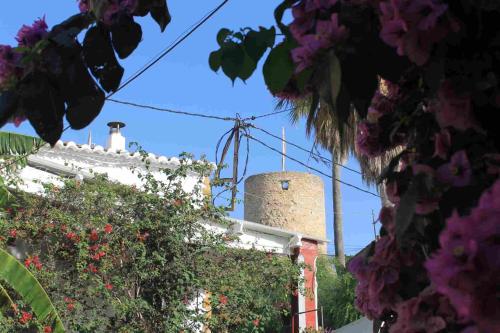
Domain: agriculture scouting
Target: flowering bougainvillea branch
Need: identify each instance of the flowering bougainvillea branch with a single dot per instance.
(45, 77)
(421, 75)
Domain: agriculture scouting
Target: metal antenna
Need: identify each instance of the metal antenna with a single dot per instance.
(283, 149)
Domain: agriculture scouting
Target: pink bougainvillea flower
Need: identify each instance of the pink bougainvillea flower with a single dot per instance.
(83, 5)
(466, 269)
(392, 191)
(442, 143)
(428, 312)
(30, 35)
(457, 172)
(454, 110)
(378, 278)
(368, 139)
(412, 27)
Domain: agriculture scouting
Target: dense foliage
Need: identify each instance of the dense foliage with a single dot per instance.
(423, 75)
(115, 258)
(336, 293)
(45, 77)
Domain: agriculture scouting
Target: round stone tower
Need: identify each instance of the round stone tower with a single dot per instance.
(290, 200)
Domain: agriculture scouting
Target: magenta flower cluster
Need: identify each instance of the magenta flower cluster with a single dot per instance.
(113, 10)
(28, 36)
(11, 67)
(467, 267)
(316, 28)
(378, 276)
(413, 26)
(429, 312)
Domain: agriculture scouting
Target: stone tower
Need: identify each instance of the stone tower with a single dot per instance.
(290, 200)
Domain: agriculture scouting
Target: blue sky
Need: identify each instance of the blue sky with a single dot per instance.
(184, 81)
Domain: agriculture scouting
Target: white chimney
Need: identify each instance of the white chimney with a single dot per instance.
(116, 141)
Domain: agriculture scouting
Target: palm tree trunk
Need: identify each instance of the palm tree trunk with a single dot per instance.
(337, 213)
(383, 196)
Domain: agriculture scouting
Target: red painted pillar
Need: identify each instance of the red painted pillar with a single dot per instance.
(306, 254)
(309, 251)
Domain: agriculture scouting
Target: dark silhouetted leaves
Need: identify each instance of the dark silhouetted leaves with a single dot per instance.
(278, 68)
(257, 42)
(406, 208)
(66, 32)
(215, 59)
(100, 58)
(43, 106)
(8, 103)
(232, 60)
(161, 15)
(222, 35)
(126, 36)
(84, 99)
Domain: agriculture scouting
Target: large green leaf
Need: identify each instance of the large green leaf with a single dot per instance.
(17, 144)
(27, 286)
(278, 68)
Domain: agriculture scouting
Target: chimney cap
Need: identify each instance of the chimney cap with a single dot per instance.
(116, 124)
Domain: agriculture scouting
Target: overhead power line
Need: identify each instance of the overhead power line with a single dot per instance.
(142, 106)
(321, 157)
(311, 168)
(171, 47)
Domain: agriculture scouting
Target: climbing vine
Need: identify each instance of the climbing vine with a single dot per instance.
(114, 258)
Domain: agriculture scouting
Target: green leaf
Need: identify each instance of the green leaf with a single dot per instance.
(257, 42)
(126, 36)
(247, 69)
(232, 60)
(161, 15)
(279, 13)
(335, 77)
(222, 35)
(27, 286)
(17, 144)
(278, 68)
(215, 59)
(6, 302)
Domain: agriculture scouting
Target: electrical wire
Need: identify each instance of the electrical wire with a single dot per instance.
(311, 168)
(305, 150)
(142, 106)
(170, 48)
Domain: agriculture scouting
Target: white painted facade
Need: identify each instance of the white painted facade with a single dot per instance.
(85, 161)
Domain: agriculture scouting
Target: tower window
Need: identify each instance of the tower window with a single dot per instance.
(285, 185)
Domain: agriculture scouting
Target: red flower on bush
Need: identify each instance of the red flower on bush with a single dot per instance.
(92, 268)
(108, 286)
(223, 299)
(108, 228)
(93, 235)
(13, 233)
(47, 329)
(256, 322)
(25, 317)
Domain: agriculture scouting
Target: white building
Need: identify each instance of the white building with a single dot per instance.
(83, 161)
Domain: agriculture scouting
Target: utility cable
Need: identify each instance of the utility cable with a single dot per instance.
(142, 106)
(170, 48)
(311, 168)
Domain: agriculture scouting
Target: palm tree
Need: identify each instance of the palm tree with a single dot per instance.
(339, 139)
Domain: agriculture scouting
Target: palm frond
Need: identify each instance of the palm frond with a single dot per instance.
(17, 144)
